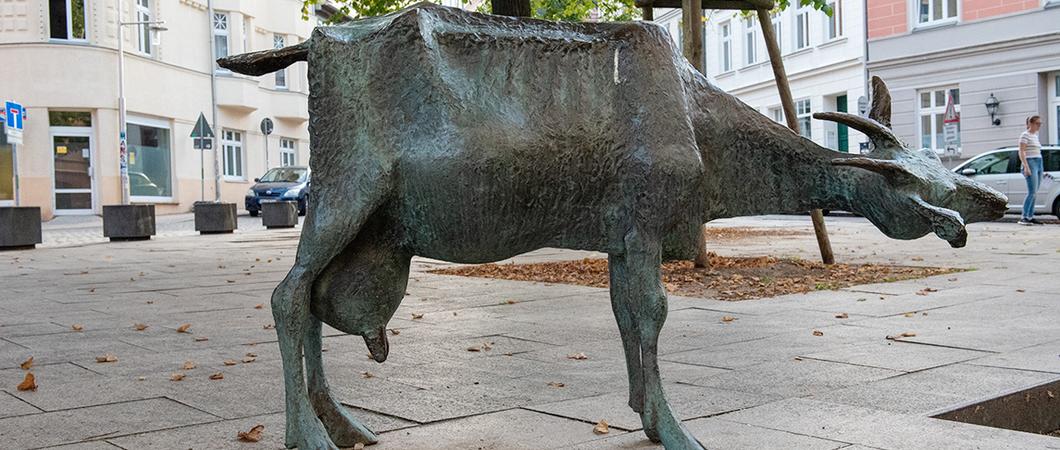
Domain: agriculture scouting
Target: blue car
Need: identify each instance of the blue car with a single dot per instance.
(279, 184)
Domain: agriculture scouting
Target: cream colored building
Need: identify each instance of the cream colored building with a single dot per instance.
(61, 62)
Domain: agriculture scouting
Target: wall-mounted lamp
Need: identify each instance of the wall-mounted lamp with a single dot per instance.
(991, 108)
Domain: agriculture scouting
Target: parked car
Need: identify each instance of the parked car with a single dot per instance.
(1001, 170)
(281, 183)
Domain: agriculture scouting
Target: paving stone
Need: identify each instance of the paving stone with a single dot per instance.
(906, 357)
(716, 433)
(1045, 358)
(97, 422)
(880, 429)
(511, 429)
(12, 406)
(793, 378)
(687, 402)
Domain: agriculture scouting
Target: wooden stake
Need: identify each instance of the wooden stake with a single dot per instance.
(786, 101)
(692, 46)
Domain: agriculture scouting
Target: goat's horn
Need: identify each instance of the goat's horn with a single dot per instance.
(881, 136)
(887, 168)
(881, 102)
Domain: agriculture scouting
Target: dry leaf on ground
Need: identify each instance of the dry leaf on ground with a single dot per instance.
(268, 326)
(140, 327)
(727, 318)
(556, 384)
(367, 375)
(253, 435)
(842, 316)
(183, 328)
(395, 331)
(27, 363)
(252, 355)
(259, 306)
(108, 358)
(417, 316)
(250, 359)
(176, 377)
(217, 376)
(902, 335)
(578, 356)
(231, 362)
(601, 427)
(77, 327)
(818, 333)
(201, 338)
(188, 365)
(29, 383)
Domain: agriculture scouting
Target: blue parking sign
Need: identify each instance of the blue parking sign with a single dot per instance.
(14, 114)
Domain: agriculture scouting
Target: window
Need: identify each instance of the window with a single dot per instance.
(777, 114)
(936, 11)
(143, 31)
(932, 111)
(803, 113)
(66, 18)
(995, 163)
(778, 30)
(150, 157)
(232, 146)
(750, 41)
(220, 36)
(802, 27)
(834, 23)
(726, 46)
(281, 75)
(288, 152)
(7, 169)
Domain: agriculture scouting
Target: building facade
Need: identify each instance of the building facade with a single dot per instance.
(965, 53)
(823, 56)
(61, 63)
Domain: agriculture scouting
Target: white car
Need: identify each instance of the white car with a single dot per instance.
(1001, 170)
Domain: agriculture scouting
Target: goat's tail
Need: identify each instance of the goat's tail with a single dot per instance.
(267, 61)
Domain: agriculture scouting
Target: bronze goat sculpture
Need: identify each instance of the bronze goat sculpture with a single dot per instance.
(471, 138)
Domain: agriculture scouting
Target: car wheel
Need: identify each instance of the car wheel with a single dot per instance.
(253, 213)
(1056, 207)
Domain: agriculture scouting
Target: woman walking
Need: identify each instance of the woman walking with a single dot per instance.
(1031, 157)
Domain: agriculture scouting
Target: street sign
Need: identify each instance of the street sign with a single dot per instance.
(951, 112)
(266, 126)
(203, 143)
(14, 115)
(951, 123)
(202, 128)
(863, 106)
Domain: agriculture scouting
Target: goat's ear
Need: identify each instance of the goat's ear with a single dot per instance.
(891, 170)
(881, 102)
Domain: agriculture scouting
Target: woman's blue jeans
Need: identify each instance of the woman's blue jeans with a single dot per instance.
(1034, 165)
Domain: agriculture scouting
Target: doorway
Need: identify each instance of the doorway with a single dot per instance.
(1053, 132)
(74, 180)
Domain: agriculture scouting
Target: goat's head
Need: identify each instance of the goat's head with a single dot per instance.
(913, 193)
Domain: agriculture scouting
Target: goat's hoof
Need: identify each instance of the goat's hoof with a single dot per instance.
(346, 431)
(309, 435)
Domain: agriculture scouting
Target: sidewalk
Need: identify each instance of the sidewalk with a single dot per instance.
(763, 380)
(65, 231)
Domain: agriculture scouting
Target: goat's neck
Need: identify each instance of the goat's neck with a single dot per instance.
(756, 166)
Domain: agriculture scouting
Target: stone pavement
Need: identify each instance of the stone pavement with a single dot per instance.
(763, 380)
(66, 231)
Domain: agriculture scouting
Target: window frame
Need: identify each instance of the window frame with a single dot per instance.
(834, 23)
(933, 110)
(750, 41)
(802, 17)
(725, 41)
(227, 141)
(288, 149)
(226, 33)
(143, 30)
(915, 16)
(807, 115)
(157, 123)
(69, 22)
(280, 77)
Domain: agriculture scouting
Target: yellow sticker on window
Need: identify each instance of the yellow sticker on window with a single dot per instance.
(60, 149)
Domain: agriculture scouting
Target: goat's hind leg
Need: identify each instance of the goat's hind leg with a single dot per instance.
(344, 429)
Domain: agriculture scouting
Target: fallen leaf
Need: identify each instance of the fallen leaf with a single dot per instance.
(727, 318)
(259, 306)
(908, 334)
(201, 338)
(367, 375)
(474, 348)
(818, 333)
(150, 302)
(268, 326)
(417, 316)
(578, 356)
(556, 384)
(141, 378)
(77, 327)
(183, 328)
(250, 359)
(188, 365)
(798, 358)
(217, 376)
(909, 314)
(231, 362)
(140, 327)
(254, 435)
(395, 331)
(92, 291)
(511, 301)
(917, 258)
(842, 316)
(27, 363)
(108, 358)
(358, 446)
(1021, 290)
(176, 377)
(601, 427)
(29, 383)
(902, 335)
(231, 281)
(251, 355)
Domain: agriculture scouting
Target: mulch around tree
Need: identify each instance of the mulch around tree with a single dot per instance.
(727, 278)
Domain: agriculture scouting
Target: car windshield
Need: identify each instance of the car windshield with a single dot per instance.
(285, 175)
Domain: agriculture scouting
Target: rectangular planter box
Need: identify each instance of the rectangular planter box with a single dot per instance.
(128, 222)
(19, 227)
(282, 214)
(213, 218)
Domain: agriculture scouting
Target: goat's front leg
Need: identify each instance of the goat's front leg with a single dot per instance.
(637, 284)
(627, 327)
(344, 429)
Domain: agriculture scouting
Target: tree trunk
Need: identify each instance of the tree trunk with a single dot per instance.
(515, 8)
(788, 104)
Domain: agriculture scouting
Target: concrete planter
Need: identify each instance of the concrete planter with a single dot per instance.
(214, 218)
(19, 227)
(128, 222)
(279, 214)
